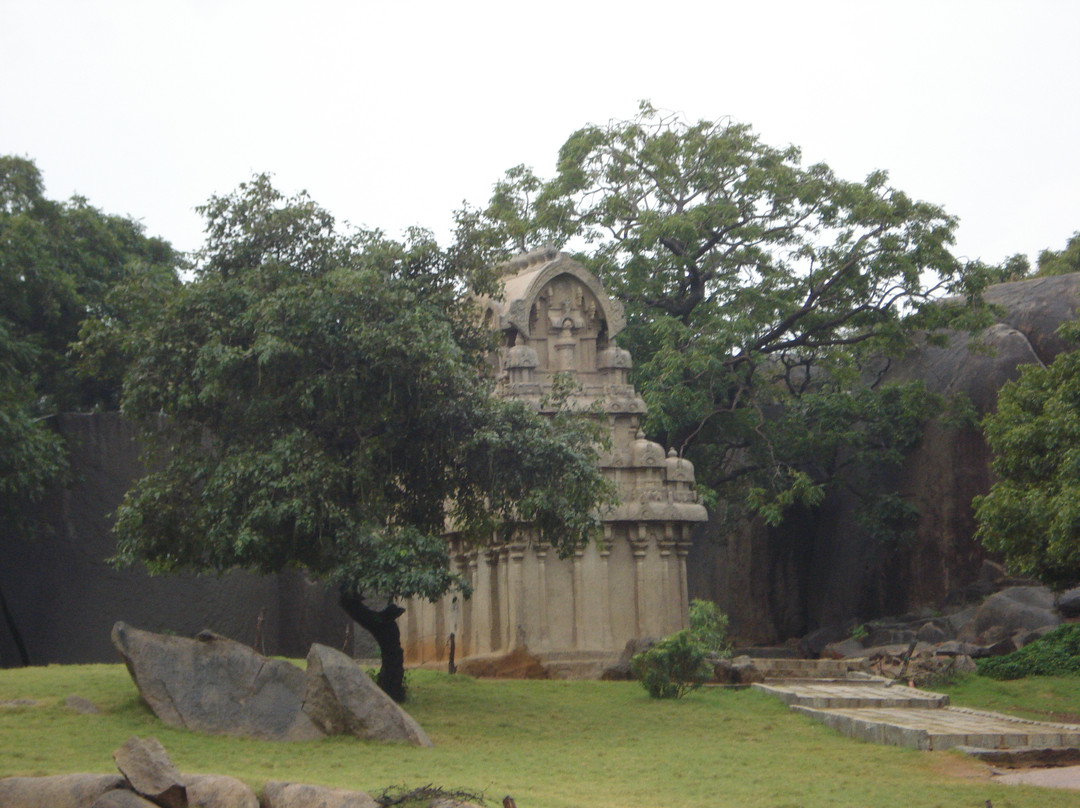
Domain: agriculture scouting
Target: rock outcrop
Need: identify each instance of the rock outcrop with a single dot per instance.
(215, 685)
(820, 569)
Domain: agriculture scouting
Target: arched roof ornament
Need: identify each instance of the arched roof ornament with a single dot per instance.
(526, 276)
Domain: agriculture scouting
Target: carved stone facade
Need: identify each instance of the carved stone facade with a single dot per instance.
(555, 317)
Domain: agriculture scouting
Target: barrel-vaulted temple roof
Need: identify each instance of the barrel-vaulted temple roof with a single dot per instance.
(525, 276)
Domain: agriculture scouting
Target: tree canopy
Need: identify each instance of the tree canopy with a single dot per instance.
(1060, 262)
(318, 398)
(1032, 513)
(762, 295)
(61, 266)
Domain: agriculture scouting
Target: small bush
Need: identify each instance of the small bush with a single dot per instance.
(1056, 653)
(708, 626)
(673, 667)
(684, 661)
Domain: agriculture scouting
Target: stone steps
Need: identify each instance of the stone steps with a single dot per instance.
(873, 711)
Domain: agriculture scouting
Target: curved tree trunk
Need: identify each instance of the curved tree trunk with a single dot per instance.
(14, 629)
(382, 625)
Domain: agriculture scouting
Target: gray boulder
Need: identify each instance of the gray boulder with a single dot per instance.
(61, 791)
(150, 772)
(218, 791)
(122, 798)
(215, 685)
(301, 795)
(1068, 602)
(341, 699)
(1019, 608)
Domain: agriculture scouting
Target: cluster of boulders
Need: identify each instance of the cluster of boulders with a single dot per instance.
(216, 685)
(149, 779)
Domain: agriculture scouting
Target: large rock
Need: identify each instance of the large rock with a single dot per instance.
(150, 772)
(215, 685)
(300, 795)
(820, 568)
(122, 798)
(1019, 608)
(212, 684)
(341, 699)
(218, 791)
(60, 791)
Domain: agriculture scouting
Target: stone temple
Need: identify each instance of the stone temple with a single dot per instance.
(556, 318)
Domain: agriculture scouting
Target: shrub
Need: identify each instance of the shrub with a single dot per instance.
(1056, 653)
(673, 667)
(682, 662)
(708, 626)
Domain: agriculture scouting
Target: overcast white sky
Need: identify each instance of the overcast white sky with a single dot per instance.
(392, 113)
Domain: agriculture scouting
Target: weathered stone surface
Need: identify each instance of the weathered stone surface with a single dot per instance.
(619, 671)
(518, 664)
(122, 798)
(218, 791)
(216, 685)
(844, 649)
(1021, 608)
(81, 705)
(300, 795)
(340, 699)
(1068, 603)
(60, 791)
(150, 772)
(820, 568)
(740, 670)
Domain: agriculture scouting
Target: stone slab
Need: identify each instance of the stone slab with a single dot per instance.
(853, 694)
(945, 728)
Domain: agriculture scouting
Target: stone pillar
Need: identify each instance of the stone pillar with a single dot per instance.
(505, 641)
(606, 640)
(682, 550)
(515, 594)
(671, 591)
(640, 547)
(578, 596)
(475, 605)
(541, 591)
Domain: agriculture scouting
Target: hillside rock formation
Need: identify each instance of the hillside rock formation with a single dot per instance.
(820, 569)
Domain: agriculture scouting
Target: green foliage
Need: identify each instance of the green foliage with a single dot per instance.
(709, 627)
(1032, 513)
(60, 264)
(1061, 262)
(673, 667)
(326, 405)
(761, 296)
(683, 661)
(1056, 653)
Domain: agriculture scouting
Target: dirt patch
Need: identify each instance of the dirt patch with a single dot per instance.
(957, 764)
(1063, 777)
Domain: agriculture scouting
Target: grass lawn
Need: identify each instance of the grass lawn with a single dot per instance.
(549, 744)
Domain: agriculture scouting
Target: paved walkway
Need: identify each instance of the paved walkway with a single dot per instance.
(904, 716)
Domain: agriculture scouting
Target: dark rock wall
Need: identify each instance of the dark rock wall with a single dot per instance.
(821, 569)
(64, 597)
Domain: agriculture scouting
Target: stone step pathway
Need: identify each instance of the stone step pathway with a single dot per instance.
(904, 716)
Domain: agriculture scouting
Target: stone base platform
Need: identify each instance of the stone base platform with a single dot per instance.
(853, 694)
(945, 728)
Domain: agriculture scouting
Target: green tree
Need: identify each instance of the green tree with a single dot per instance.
(59, 265)
(1032, 513)
(327, 406)
(763, 296)
(1061, 262)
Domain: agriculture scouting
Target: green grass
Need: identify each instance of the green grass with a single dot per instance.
(1042, 698)
(549, 744)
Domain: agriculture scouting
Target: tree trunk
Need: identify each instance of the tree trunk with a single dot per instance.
(14, 629)
(382, 625)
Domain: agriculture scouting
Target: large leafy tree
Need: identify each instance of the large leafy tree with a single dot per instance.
(763, 296)
(62, 266)
(1032, 513)
(1061, 262)
(318, 398)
